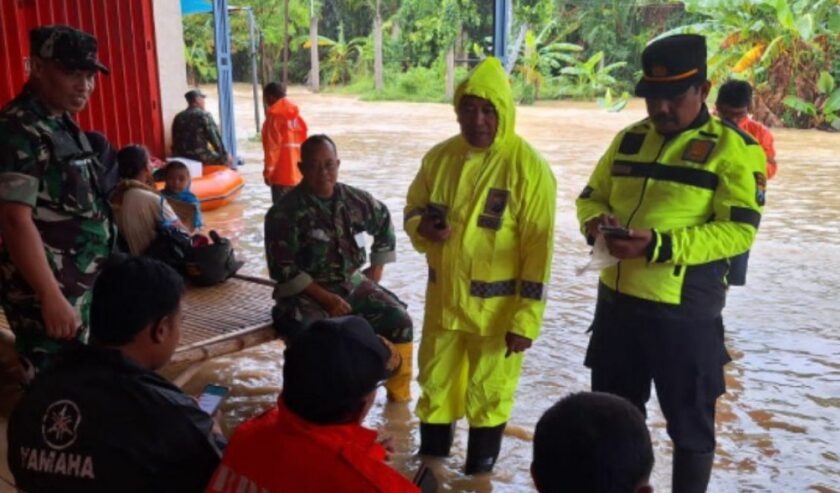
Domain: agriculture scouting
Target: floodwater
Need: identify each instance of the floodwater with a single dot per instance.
(777, 425)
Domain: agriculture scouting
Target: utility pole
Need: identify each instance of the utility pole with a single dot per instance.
(314, 61)
(378, 82)
(286, 43)
(252, 51)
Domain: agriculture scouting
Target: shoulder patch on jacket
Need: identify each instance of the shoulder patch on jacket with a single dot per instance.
(698, 150)
(760, 188)
(631, 143)
(748, 139)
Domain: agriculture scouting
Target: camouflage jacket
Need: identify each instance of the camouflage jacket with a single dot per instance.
(196, 136)
(311, 239)
(46, 163)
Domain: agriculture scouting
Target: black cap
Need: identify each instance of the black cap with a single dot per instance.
(73, 49)
(193, 94)
(332, 365)
(671, 65)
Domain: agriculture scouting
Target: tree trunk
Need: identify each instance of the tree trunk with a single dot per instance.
(450, 71)
(314, 61)
(378, 82)
(286, 43)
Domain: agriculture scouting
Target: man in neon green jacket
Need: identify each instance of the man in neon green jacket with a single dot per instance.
(482, 210)
(690, 188)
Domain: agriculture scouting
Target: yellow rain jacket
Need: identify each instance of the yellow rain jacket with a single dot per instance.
(491, 275)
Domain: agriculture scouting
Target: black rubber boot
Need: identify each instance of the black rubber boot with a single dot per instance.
(436, 439)
(483, 448)
(691, 471)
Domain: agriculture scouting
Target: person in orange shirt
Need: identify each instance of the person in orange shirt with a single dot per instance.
(282, 134)
(734, 102)
(313, 439)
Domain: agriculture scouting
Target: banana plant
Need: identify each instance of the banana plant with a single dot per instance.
(588, 79)
(825, 111)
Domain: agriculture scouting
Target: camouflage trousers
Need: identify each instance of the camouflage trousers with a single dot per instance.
(34, 347)
(380, 307)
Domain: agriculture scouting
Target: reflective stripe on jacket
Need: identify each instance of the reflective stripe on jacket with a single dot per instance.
(702, 193)
(491, 275)
(282, 134)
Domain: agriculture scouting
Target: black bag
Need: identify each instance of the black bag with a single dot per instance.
(212, 263)
(171, 245)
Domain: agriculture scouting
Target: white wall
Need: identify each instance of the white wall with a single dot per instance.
(169, 34)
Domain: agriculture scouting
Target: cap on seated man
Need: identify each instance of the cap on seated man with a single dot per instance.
(313, 439)
(593, 442)
(102, 420)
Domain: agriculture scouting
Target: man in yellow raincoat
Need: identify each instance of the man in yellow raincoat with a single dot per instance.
(482, 210)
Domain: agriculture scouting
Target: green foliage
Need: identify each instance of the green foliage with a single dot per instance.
(787, 49)
(826, 110)
(588, 79)
(199, 53)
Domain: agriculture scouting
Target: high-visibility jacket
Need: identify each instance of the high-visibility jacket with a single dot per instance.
(490, 276)
(701, 192)
(282, 134)
(280, 452)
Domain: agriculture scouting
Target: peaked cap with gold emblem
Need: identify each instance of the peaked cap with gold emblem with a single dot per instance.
(671, 65)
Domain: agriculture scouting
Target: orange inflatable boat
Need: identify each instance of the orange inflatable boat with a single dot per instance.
(218, 186)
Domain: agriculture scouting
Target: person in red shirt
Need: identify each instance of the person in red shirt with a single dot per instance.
(282, 134)
(313, 439)
(734, 102)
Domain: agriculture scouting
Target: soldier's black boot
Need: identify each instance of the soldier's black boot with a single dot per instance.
(483, 448)
(436, 439)
(691, 471)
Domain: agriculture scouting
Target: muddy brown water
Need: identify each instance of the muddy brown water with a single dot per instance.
(777, 425)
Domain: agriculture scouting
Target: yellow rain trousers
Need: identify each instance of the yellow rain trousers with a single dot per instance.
(490, 276)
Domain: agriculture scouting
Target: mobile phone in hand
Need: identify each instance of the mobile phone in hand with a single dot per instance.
(614, 231)
(211, 398)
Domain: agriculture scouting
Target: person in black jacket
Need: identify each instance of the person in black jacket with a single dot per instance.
(102, 420)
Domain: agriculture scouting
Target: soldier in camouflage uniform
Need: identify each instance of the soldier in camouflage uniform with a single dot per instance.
(195, 134)
(53, 215)
(315, 247)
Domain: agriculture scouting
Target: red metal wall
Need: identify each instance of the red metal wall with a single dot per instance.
(126, 104)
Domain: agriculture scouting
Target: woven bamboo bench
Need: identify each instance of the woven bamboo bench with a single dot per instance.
(221, 319)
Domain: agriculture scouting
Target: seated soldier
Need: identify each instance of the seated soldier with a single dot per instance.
(102, 420)
(315, 246)
(138, 207)
(313, 440)
(594, 442)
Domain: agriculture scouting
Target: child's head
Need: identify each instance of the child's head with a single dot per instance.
(734, 100)
(177, 177)
(133, 163)
(592, 441)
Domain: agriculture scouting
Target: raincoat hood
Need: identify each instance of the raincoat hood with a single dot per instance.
(284, 108)
(488, 80)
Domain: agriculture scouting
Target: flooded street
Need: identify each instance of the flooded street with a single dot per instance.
(778, 423)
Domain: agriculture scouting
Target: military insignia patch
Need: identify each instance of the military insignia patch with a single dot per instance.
(760, 188)
(490, 222)
(497, 200)
(698, 151)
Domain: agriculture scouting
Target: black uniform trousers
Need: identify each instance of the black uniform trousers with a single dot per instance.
(632, 344)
